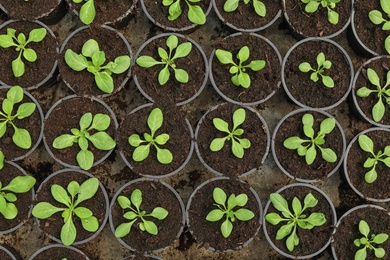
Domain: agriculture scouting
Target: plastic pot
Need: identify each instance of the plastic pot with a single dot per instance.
(60, 251)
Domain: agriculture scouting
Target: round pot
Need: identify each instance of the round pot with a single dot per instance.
(7, 253)
(98, 204)
(311, 241)
(172, 91)
(224, 162)
(155, 193)
(64, 115)
(111, 41)
(347, 230)
(309, 94)
(58, 251)
(141, 257)
(295, 166)
(41, 72)
(264, 83)
(180, 142)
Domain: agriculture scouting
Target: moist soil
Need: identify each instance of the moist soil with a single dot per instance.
(310, 240)
(264, 83)
(316, 94)
(5, 256)
(209, 233)
(154, 194)
(60, 253)
(295, 164)
(29, 10)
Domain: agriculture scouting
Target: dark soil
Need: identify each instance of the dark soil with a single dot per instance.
(4, 255)
(224, 161)
(264, 83)
(310, 240)
(295, 164)
(29, 10)
(209, 233)
(59, 252)
(154, 194)
(316, 94)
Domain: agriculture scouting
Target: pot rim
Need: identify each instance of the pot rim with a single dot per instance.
(47, 247)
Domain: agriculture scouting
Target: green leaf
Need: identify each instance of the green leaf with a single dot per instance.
(304, 67)
(215, 215)
(172, 42)
(104, 81)
(241, 199)
(147, 61)
(90, 224)
(366, 143)
(64, 141)
(280, 203)
(308, 119)
(76, 62)
(60, 195)
(244, 142)
(68, 232)
(293, 142)
(311, 154)
(224, 57)
(296, 206)
(260, 8)
(182, 50)
(320, 59)
(87, 190)
(308, 131)
(378, 111)
(333, 17)
(136, 198)
(181, 75)
(22, 138)
(6, 41)
(130, 215)
(10, 211)
(25, 110)
(100, 122)
(244, 79)
(87, 12)
(230, 5)
(238, 117)
(174, 11)
(256, 65)
(284, 231)
(121, 64)
(217, 144)
(83, 142)
(380, 238)
(370, 176)
(162, 139)
(219, 196)
(15, 94)
(196, 14)
(20, 184)
(30, 55)
(45, 210)
(364, 92)
(102, 141)
(379, 252)
(221, 125)
(3, 128)
(385, 5)
(10, 197)
(226, 228)
(243, 54)
(364, 229)
(37, 35)
(163, 76)
(150, 227)
(73, 188)
(237, 149)
(85, 159)
(124, 202)
(141, 152)
(274, 218)
(155, 119)
(83, 212)
(327, 126)
(98, 59)
(159, 213)
(123, 229)
(369, 163)
(135, 140)
(316, 219)
(292, 241)
(327, 81)
(309, 201)
(17, 67)
(312, 6)
(361, 254)
(244, 214)
(375, 17)
(164, 156)
(387, 44)
(373, 77)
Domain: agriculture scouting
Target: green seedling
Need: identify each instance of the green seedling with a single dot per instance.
(21, 137)
(295, 218)
(175, 51)
(378, 110)
(136, 213)
(87, 11)
(368, 242)
(377, 18)
(155, 121)
(232, 5)
(19, 184)
(92, 59)
(367, 145)
(238, 144)
(312, 6)
(20, 43)
(307, 147)
(240, 76)
(91, 129)
(322, 65)
(195, 12)
(226, 210)
(71, 198)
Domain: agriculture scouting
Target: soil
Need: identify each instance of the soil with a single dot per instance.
(4, 255)
(296, 165)
(310, 240)
(154, 194)
(61, 252)
(35, 72)
(316, 94)
(264, 83)
(224, 161)
(29, 10)
(209, 233)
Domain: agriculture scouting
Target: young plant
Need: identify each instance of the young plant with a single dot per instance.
(322, 65)
(136, 213)
(155, 121)
(312, 6)
(100, 139)
(175, 51)
(195, 12)
(226, 210)
(307, 147)
(377, 18)
(19, 43)
(92, 59)
(19, 184)
(295, 218)
(368, 242)
(232, 5)
(240, 76)
(378, 110)
(238, 144)
(21, 137)
(72, 197)
(87, 11)
(367, 145)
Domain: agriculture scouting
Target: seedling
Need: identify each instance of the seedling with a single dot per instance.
(295, 218)
(87, 11)
(378, 110)
(20, 43)
(367, 145)
(72, 197)
(19, 184)
(92, 59)
(306, 147)
(312, 6)
(368, 242)
(377, 18)
(240, 76)
(226, 210)
(232, 5)
(322, 65)
(21, 137)
(136, 213)
(238, 144)
(176, 51)
(100, 139)
(195, 12)
(155, 121)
